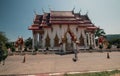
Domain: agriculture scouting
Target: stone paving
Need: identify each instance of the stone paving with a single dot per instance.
(52, 63)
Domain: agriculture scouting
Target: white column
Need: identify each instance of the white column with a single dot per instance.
(51, 42)
(94, 41)
(85, 39)
(43, 38)
(85, 42)
(43, 41)
(40, 40)
(33, 41)
(88, 38)
(64, 47)
(52, 39)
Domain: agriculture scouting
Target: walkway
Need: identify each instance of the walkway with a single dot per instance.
(51, 63)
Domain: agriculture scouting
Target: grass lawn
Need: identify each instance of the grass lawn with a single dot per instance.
(105, 73)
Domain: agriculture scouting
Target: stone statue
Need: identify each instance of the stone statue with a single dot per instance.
(19, 44)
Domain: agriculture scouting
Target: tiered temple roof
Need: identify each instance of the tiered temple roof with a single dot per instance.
(62, 17)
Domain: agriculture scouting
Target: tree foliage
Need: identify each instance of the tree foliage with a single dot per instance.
(10, 45)
(115, 42)
(3, 38)
(28, 43)
(99, 32)
(100, 46)
(109, 46)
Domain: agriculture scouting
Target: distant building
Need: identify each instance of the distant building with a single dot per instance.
(49, 29)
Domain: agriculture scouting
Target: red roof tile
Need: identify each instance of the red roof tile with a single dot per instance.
(61, 14)
(61, 17)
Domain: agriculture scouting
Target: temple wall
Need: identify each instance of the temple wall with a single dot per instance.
(56, 31)
(81, 31)
(60, 31)
(84, 36)
(43, 39)
(73, 29)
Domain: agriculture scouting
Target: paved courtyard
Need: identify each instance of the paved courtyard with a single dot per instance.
(52, 63)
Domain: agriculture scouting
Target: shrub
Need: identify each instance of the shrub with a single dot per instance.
(118, 46)
(90, 47)
(25, 49)
(13, 49)
(36, 48)
(100, 46)
(109, 46)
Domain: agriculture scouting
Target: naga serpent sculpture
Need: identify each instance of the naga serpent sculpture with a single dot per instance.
(74, 39)
(73, 36)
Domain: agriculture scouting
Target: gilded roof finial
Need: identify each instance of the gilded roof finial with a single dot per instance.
(87, 12)
(80, 11)
(35, 12)
(73, 9)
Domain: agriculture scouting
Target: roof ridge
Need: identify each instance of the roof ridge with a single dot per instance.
(60, 11)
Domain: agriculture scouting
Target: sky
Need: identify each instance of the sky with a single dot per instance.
(17, 15)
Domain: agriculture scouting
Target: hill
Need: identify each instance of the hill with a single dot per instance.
(112, 36)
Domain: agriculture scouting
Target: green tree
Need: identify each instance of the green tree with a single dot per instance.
(10, 45)
(28, 43)
(114, 41)
(99, 32)
(3, 49)
(3, 39)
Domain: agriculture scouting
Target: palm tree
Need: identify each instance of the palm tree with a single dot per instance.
(99, 32)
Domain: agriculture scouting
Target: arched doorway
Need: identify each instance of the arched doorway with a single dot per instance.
(68, 43)
(69, 40)
(81, 39)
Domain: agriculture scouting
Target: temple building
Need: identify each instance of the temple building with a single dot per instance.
(49, 29)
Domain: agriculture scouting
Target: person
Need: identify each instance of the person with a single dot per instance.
(76, 51)
(75, 57)
(3, 54)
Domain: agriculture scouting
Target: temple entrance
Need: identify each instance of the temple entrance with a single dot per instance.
(69, 46)
(69, 41)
